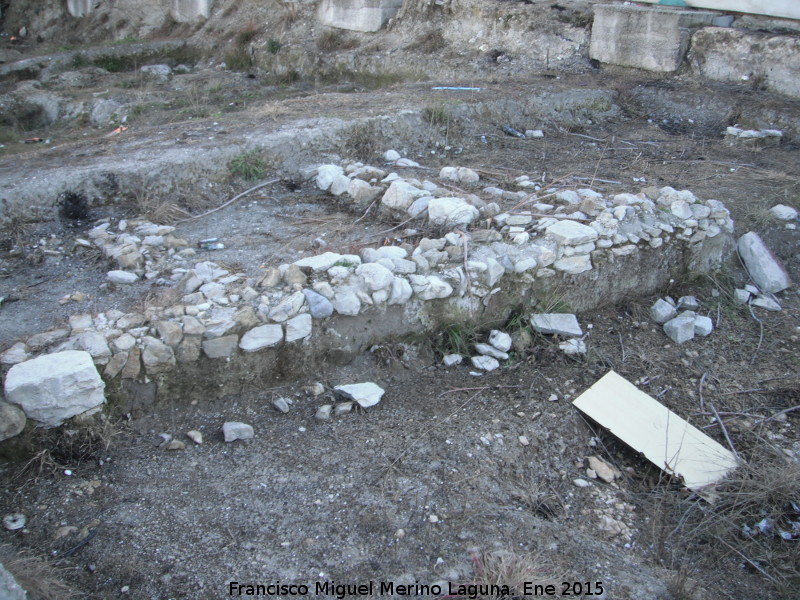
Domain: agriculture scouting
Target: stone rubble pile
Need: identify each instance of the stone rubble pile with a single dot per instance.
(680, 320)
(221, 314)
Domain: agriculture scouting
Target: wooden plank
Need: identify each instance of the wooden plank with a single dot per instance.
(649, 427)
(787, 9)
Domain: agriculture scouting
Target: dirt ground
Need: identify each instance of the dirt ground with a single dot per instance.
(434, 484)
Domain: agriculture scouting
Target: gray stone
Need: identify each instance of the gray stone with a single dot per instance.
(375, 276)
(572, 347)
(783, 212)
(9, 588)
(12, 420)
(346, 302)
(556, 323)
(680, 329)
(401, 195)
(282, 404)
(122, 277)
(452, 360)
(158, 72)
(221, 347)
(326, 174)
(294, 276)
(263, 336)
(318, 305)
(343, 408)
(662, 311)
(451, 212)
(433, 288)
(365, 394)
(401, 291)
(235, 430)
(703, 326)
(741, 296)
(104, 112)
(157, 356)
(115, 365)
(763, 266)
(766, 302)
(288, 307)
(489, 350)
(324, 412)
(571, 233)
(688, 303)
(321, 262)
(15, 354)
(573, 265)
(55, 387)
(500, 340)
(298, 328)
(171, 333)
(485, 363)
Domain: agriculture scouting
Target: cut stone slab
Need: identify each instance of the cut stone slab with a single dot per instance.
(763, 266)
(574, 265)
(650, 38)
(55, 387)
(235, 430)
(365, 394)
(557, 323)
(571, 233)
(680, 329)
(263, 336)
(647, 426)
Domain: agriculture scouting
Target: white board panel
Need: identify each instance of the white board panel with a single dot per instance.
(649, 427)
(788, 9)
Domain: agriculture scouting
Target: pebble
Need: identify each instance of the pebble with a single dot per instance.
(122, 277)
(176, 445)
(324, 412)
(365, 394)
(452, 359)
(282, 404)
(235, 430)
(500, 340)
(342, 408)
(581, 483)
(486, 363)
(195, 436)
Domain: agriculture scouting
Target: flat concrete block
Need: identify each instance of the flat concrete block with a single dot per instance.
(357, 15)
(655, 39)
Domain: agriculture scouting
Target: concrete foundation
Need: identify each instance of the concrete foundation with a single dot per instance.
(655, 39)
(357, 15)
(763, 60)
(190, 11)
(79, 8)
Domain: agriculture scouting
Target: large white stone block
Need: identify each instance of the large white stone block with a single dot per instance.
(55, 387)
(357, 15)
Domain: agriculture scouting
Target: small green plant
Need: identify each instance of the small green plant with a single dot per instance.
(457, 339)
(112, 64)
(248, 165)
(79, 61)
(436, 115)
(343, 262)
(273, 46)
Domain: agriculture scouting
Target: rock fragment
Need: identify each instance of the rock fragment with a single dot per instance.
(557, 323)
(764, 268)
(365, 394)
(236, 430)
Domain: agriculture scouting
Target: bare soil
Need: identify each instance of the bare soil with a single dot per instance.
(432, 485)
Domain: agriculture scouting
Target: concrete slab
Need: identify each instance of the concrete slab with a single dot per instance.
(643, 37)
(357, 15)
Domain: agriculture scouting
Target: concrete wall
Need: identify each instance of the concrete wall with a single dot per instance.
(190, 11)
(79, 8)
(655, 39)
(788, 9)
(358, 15)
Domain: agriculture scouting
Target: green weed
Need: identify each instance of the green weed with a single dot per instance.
(248, 165)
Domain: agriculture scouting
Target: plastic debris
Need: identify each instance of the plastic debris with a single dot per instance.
(211, 244)
(512, 132)
(458, 89)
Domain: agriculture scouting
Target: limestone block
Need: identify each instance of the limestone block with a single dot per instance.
(763, 266)
(55, 387)
(191, 11)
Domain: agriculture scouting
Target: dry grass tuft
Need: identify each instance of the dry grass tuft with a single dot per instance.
(37, 576)
(498, 569)
(154, 208)
(334, 40)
